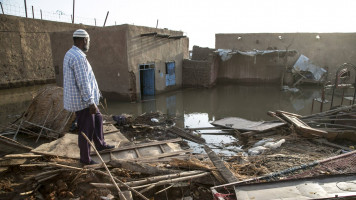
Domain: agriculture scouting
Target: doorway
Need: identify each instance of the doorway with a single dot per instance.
(147, 80)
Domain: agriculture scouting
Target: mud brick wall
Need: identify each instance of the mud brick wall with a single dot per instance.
(25, 50)
(200, 53)
(327, 50)
(197, 73)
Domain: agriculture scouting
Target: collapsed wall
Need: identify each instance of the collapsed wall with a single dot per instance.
(25, 50)
(202, 70)
(327, 50)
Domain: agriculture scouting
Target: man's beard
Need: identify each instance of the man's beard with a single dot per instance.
(86, 48)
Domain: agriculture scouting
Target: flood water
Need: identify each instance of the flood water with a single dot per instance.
(194, 107)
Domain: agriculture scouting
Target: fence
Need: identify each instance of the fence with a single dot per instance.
(37, 13)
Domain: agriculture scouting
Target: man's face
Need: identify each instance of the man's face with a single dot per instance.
(86, 44)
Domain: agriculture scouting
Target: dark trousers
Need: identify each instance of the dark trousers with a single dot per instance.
(92, 126)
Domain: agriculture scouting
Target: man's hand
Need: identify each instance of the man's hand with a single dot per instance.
(93, 109)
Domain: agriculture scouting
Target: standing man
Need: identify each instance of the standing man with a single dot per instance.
(81, 95)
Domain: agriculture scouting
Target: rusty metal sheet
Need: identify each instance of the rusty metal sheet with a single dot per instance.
(316, 188)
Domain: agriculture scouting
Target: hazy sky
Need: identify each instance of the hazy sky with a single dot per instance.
(200, 20)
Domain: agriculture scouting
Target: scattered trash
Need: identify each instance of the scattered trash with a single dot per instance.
(287, 88)
(154, 120)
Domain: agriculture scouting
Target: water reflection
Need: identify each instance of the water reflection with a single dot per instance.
(13, 102)
(249, 102)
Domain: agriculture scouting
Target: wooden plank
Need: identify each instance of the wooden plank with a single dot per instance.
(219, 164)
(208, 128)
(246, 125)
(25, 155)
(300, 125)
(186, 135)
(130, 147)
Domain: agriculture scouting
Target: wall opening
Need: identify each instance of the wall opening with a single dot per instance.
(147, 80)
(170, 73)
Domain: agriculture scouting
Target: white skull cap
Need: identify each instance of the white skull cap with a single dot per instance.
(80, 33)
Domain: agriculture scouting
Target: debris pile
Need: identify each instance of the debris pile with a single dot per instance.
(151, 158)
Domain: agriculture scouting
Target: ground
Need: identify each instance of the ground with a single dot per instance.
(29, 182)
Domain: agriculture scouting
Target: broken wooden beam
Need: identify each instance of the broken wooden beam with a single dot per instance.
(186, 135)
(305, 129)
(228, 176)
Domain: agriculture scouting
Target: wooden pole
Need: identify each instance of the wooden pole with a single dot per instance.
(25, 8)
(122, 184)
(33, 14)
(107, 14)
(95, 21)
(2, 9)
(41, 13)
(106, 167)
(73, 11)
(157, 23)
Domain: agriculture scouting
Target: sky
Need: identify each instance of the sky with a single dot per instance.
(200, 20)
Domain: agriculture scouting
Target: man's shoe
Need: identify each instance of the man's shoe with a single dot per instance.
(92, 162)
(108, 147)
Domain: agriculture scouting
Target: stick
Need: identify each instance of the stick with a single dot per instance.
(38, 176)
(106, 167)
(122, 183)
(23, 156)
(164, 189)
(47, 178)
(164, 182)
(150, 186)
(163, 177)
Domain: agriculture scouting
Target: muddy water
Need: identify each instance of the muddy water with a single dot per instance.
(192, 107)
(198, 107)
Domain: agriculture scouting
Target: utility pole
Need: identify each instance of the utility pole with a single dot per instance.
(2, 9)
(106, 18)
(25, 8)
(73, 11)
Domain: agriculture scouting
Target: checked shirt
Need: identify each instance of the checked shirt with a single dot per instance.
(80, 88)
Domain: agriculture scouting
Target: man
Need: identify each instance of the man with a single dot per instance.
(81, 95)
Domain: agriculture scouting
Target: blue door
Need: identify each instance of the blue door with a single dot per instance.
(147, 78)
(170, 74)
